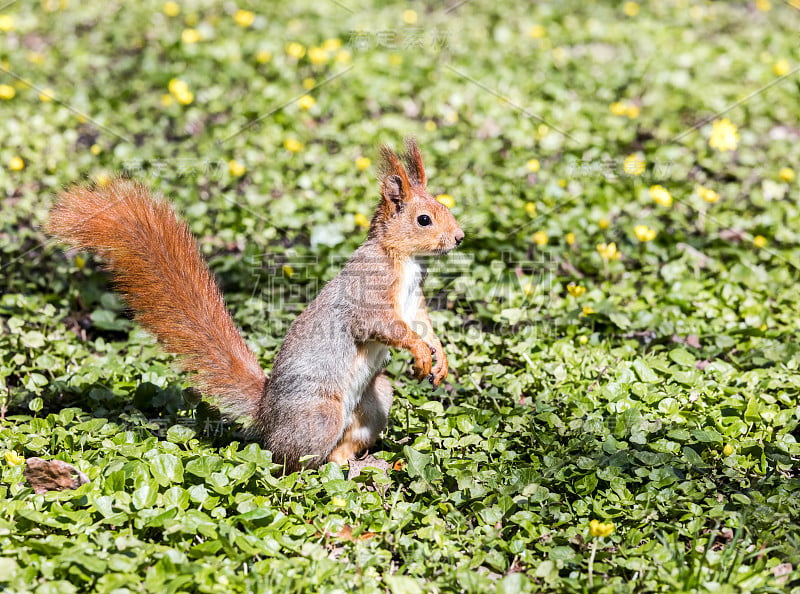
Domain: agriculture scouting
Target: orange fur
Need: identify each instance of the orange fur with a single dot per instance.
(156, 266)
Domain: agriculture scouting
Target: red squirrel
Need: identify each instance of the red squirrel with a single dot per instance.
(327, 395)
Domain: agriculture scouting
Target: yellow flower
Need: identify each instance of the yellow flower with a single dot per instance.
(46, 95)
(235, 168)
(180, 90)
(190, 36)
(35, 58)
(166, 100)
(308, 83)
(332, 45)
(759, 241)
(533, 165)
(575, 290)
(786, 174)
(176, 86)
(410, 17)
(630, 9)
(529, 289)
(570, 238)
(536, 32)
(339, 501)
(288, 270)
(632, 111)
(661, 196)
(781, 68)
(530, 208)
(633, 165)
(644, 233)
(306, 102)
(586, 311)
(430, 126)
(7, 92)
(54, 5)
(95, 149)
(80, 262)
(244, 18)
(13, 458)
(395, 59)
(597, 528)
(618, 108)
(447, 200)
(583, 339)
(16, 164)
(763, 5)
(539, 238)
(343, 56)
(6, 22)
(603, 223)
(707, 194)
(363, 163)
(317, 55)
(293, 145)
(171, 9)
(724, 135)
(542, 130)
(608, 251)
(625, 108)
(295, 50)
(728, 449)
(102, 179)
(263, 56)
(185, 98)
(361, 220)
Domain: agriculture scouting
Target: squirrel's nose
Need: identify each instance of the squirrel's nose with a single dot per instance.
(459, 237)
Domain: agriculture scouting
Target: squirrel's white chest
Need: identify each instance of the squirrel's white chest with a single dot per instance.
(409, 291)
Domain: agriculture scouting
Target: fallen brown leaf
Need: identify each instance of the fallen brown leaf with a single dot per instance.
(52, 475)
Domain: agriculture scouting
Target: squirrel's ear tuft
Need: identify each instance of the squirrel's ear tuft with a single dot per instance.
(394, 180)
(412, 159)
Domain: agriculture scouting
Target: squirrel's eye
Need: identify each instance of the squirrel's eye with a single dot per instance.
(424, 220)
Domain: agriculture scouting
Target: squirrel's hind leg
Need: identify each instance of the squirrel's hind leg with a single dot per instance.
(369, 418)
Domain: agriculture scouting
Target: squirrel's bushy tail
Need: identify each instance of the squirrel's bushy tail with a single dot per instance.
(157, 267)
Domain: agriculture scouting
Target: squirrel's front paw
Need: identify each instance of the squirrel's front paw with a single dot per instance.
(439, 371)
(423, 361)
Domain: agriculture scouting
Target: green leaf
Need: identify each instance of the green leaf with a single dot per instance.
(8, 569)
(682, 357)
(693, 458)
(144, 497)
(180, 433)
(417, 461)
(166, 469)
(645, 373)
(33, 339)
(707, 435)
(401, 584)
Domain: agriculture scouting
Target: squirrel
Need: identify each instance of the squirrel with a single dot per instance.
(327, 397)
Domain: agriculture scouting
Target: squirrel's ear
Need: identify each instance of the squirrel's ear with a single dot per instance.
(394, 181)
(412, 159)
(393, 190)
